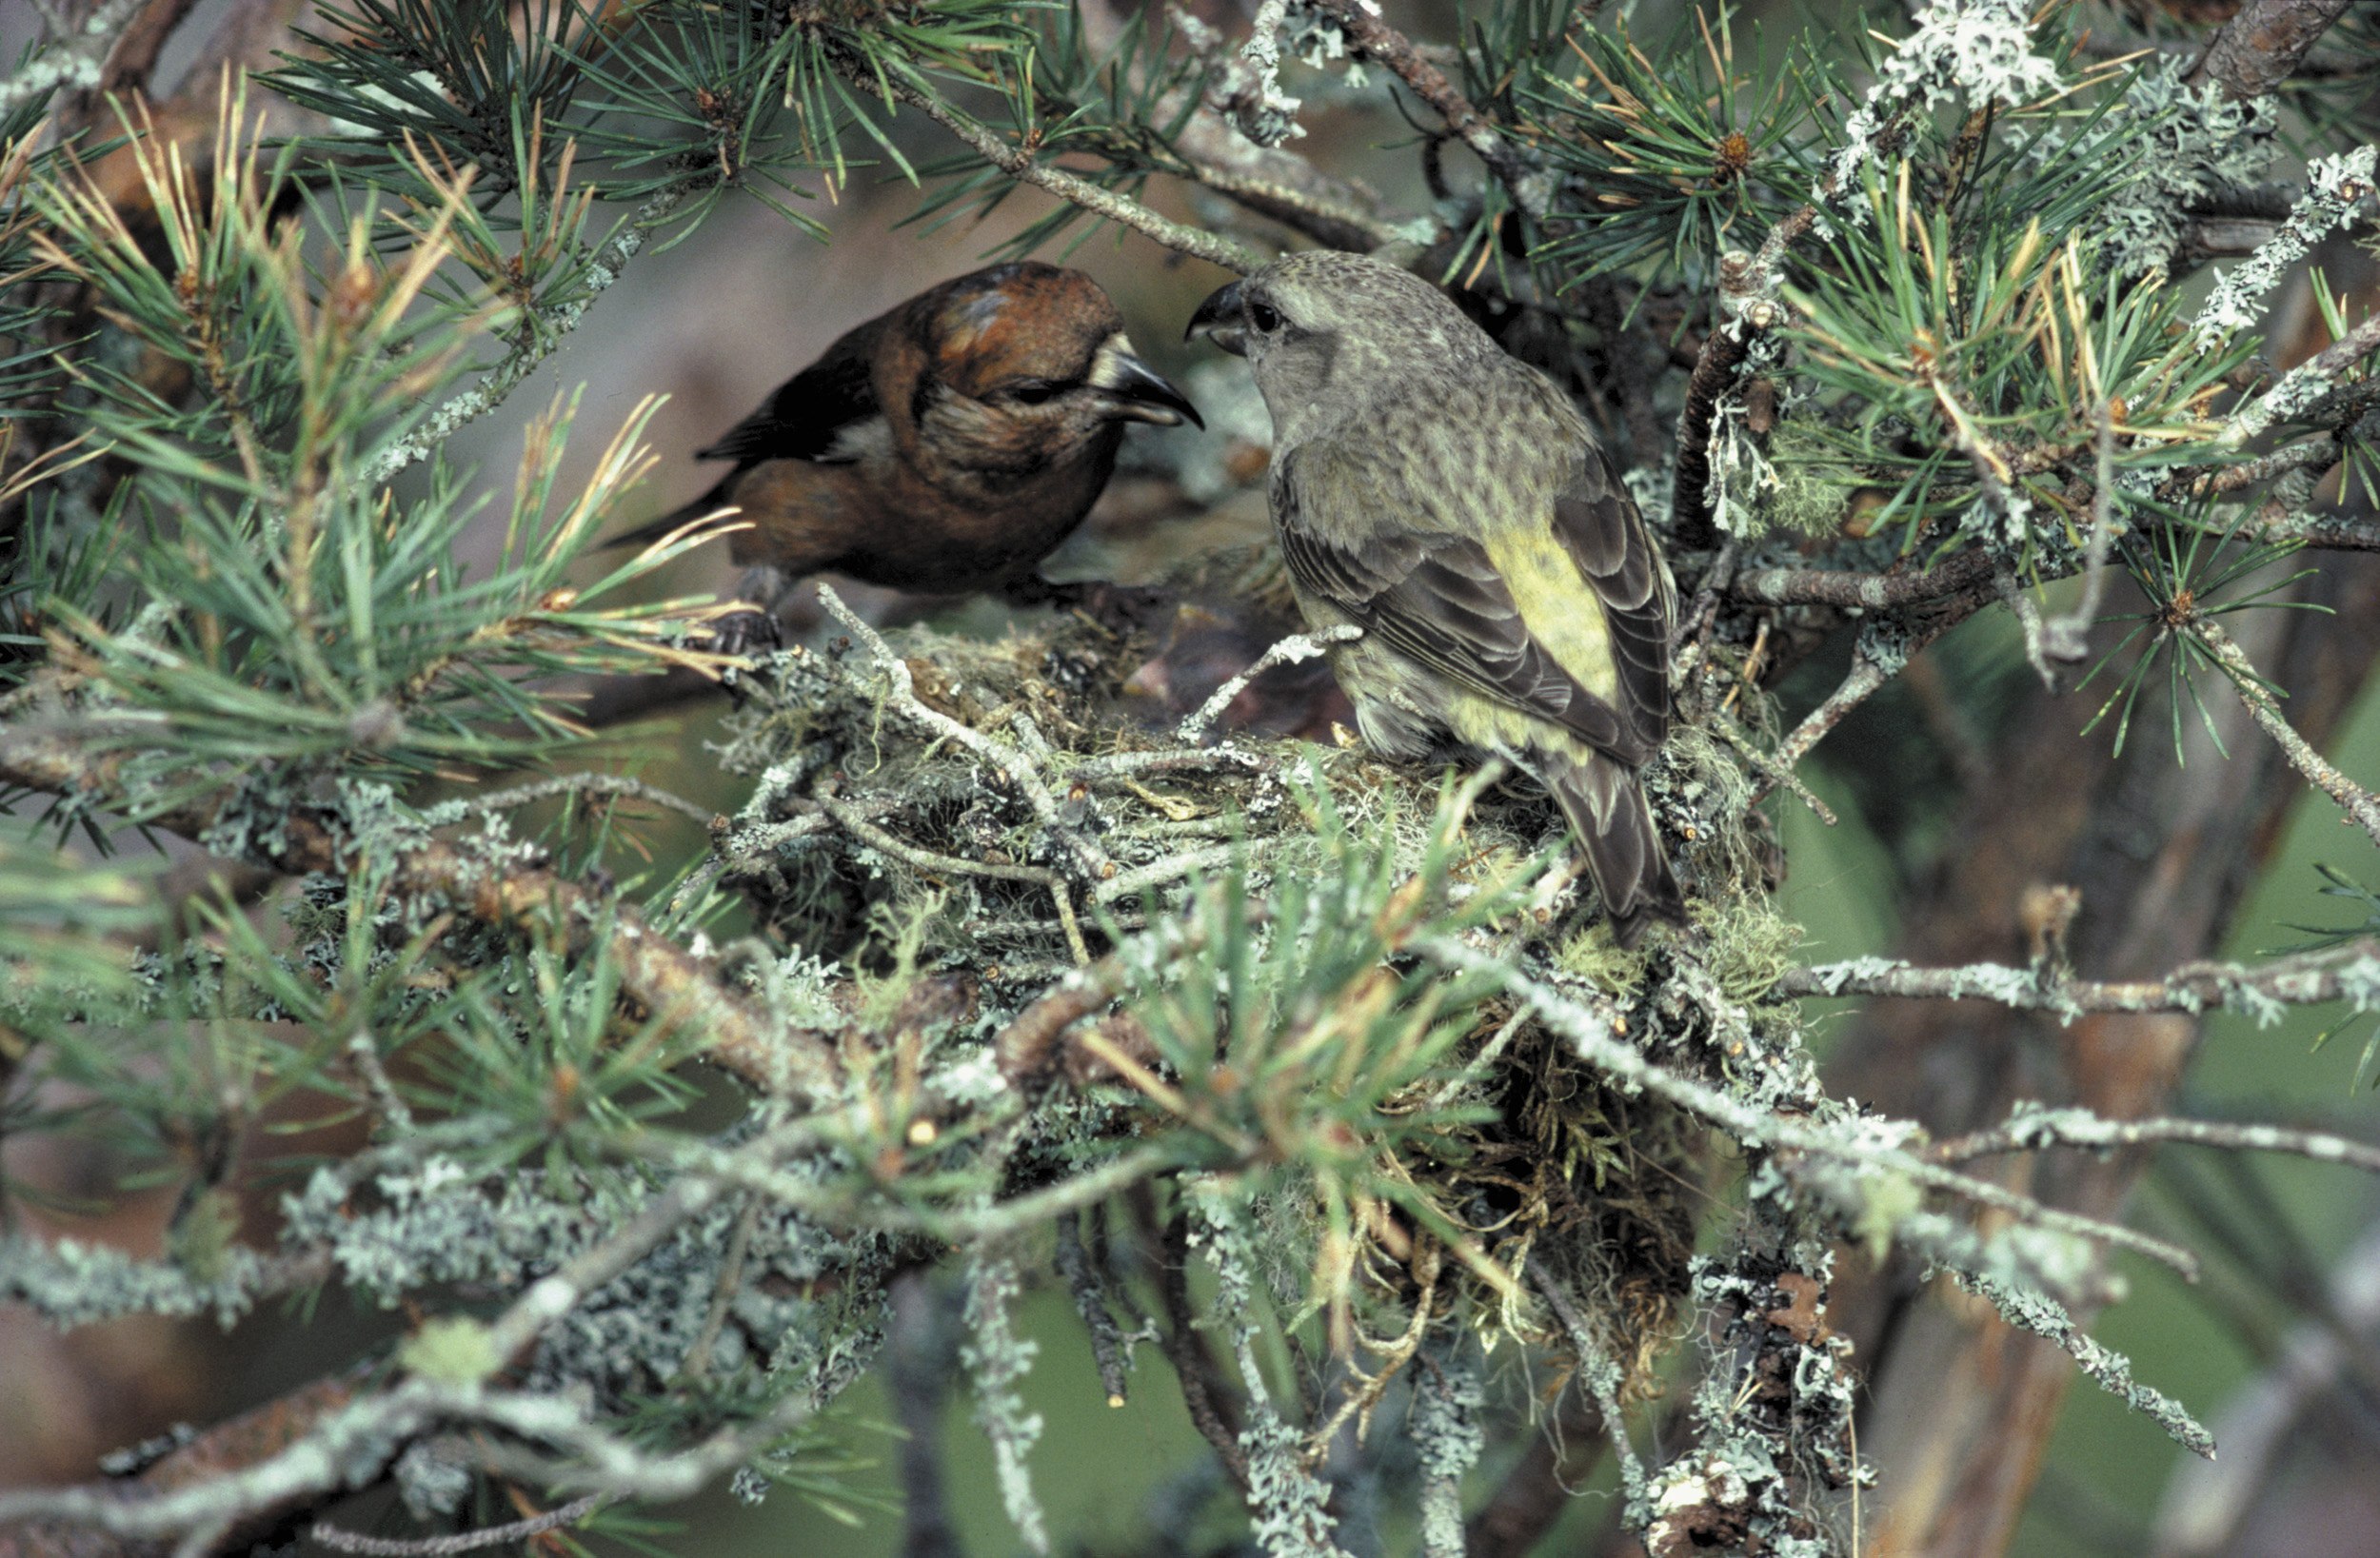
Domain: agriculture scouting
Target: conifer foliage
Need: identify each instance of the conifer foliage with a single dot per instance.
(1311, 1081)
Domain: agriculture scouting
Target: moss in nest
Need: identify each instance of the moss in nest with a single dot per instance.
(1750, 945)
(1816, 489)
(1595, 955)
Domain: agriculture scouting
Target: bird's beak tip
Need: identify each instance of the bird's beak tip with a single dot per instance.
(1140, 393)
(1218, 320)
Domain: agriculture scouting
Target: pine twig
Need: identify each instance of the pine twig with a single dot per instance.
(71, 64)
(1367, 34)
(1108, 204)
(656, 972)
(1594, 1041)
(537, 337)
(340, 1540)
(1090, 1302)
(2079, 1128)
(1297, 648)
(1009, 761)
(2351, 972)
(1960, 575)
(2361, 805)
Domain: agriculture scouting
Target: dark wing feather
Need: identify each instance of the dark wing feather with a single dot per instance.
(1598, 525)
(1438, 601)
(801, 420)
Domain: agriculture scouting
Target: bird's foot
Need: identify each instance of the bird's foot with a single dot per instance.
(745, 634)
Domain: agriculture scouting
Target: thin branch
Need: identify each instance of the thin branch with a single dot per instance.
(1591, 1039)
(1297, 648)
(927, 859)
(538, 334)
(2317, 455)
(1744, 317)
(920, 1359)
(72, 64)
(1028, 1052)
(1204, 1393)
(2027, 611)
(2033, 1130)
(1960, 575)
(2110, 1371)
(596, 783)
(1372, 37)
(2360, 804)
(1272, 182)
(1108, 204)
(1246, 87)
(2064, 638)
(2302, 388)
(2350, 973)
(1008, 759)
(1108, 1349)
(340, 1540)
(2332, 531)
(1872, 664)
(1598, 1370)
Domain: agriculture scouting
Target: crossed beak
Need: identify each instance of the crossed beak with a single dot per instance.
(1136, 392)
(1220, 320)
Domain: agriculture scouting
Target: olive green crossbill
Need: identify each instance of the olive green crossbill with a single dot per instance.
(947, 445)
(1450, 502)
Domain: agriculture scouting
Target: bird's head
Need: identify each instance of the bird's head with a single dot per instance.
(1034, 356)
(1332, 335)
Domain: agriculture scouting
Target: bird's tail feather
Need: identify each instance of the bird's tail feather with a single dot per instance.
(1606, 806)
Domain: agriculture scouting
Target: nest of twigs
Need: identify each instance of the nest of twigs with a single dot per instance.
(1004, 811)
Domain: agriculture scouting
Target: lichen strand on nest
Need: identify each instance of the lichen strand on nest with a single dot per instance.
(926, 855)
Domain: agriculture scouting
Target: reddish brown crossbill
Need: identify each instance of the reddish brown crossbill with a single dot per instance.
(947, 445)
(1449, 501)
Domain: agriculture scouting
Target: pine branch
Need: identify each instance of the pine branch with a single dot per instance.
(2036, 1129)
(2349, 972)
(1368, 34)
(676, 986)
(2261, 45)
(75, 63)
(1963, 574)
(535, 338)
(2361, 805)
(1026, 167)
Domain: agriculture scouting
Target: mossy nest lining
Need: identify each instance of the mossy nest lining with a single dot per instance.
(1010, 811)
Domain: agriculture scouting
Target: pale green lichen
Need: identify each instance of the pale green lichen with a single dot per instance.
(996, 1359)
(2335, 187)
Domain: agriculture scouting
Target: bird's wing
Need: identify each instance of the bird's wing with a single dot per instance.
(803, 420)
(1444, 602)
(1601, 529)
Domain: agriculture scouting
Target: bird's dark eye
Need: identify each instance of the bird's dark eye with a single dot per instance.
(1262, 317)
(1035, 391)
